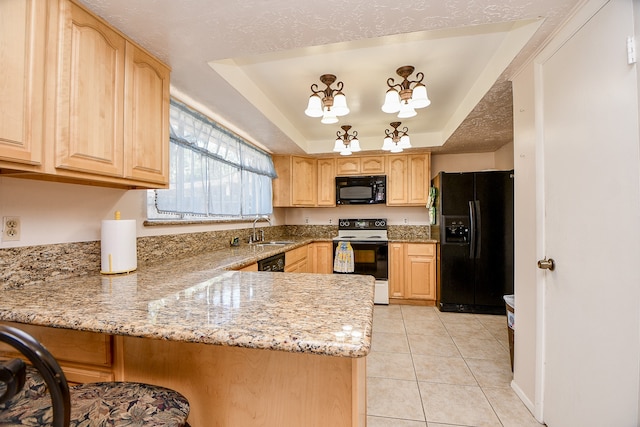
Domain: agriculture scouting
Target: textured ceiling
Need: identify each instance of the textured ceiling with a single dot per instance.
(249, 64)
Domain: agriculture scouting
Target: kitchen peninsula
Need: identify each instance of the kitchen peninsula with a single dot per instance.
(246, 348)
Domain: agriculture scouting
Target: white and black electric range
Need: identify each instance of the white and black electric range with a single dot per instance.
(369, 242)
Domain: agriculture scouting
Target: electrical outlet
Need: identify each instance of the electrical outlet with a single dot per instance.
(306, 220)
(330, 221)
(11, 228)
(405, 220)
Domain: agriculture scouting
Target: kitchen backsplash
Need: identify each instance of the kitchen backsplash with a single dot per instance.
(37, 264)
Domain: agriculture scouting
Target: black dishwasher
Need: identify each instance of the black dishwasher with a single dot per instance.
(273, 263)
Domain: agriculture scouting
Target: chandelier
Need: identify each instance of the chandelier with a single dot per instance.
(397, 140)
(346, 143)
(401, 98)
(331, 105)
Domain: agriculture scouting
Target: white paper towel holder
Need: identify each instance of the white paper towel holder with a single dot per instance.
(126, 256)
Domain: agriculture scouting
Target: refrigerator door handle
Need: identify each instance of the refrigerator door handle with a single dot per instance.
(478, 228)
(472, 230)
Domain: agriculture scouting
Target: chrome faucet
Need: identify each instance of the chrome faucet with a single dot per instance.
(254, 236)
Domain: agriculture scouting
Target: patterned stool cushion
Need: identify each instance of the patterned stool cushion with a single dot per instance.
(104, 404)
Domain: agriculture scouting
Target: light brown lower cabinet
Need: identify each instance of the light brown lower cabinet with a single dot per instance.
(321, 257)
(412, 273)
(250, 267)
(295, 260)
(83, 356)
(233, 386)
(228, 386)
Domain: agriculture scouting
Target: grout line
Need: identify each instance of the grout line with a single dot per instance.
(413, 363)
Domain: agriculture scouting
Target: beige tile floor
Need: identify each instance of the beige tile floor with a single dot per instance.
(433, 369)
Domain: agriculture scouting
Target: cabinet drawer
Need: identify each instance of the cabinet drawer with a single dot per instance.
(69, 345)
(295, 255)
(423, 249)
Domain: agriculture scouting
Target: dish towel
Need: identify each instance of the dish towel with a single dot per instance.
(343, 261)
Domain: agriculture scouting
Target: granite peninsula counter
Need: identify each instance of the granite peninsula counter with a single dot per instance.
(246, 348)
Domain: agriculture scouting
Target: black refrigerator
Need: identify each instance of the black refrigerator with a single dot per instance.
(475, 217)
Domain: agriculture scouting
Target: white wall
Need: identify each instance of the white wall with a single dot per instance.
(501, 159)
(504, 157)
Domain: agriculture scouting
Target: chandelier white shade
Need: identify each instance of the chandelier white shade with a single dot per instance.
(396, 140)
(331, 105)
(402, 98)
(346, 143)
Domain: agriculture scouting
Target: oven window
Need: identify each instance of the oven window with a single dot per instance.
(371, 259)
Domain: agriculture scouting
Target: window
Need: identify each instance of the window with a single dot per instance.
(213, 173)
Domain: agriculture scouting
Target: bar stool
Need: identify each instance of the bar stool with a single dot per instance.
(40, 395)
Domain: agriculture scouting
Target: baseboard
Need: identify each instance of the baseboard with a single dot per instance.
(528, 403)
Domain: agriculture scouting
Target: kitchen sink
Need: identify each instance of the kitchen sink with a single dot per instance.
(276, 243)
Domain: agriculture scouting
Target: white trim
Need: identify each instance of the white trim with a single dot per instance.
(528, 403)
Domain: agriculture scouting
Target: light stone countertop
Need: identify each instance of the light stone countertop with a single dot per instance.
(196, 300)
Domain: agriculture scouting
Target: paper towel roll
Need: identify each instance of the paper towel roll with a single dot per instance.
(118, 246)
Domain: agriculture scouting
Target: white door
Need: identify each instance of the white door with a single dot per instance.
(591, 225)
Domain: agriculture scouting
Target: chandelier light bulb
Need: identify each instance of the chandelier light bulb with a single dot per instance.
(339, 145)
(419, 98)
(329, 117)
(396, 149)
(354, 145)
(406, 111)
(314, 108)
(340, 105)
(405, 142)
(345, 151)
(387, 144)
(391, 101)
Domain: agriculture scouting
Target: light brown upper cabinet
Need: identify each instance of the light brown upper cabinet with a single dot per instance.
(22, 92)
(99, 129)
(105, 118)
(297, 181)
(327, 182)
(360, 165)
(408, 179)
(90, 95)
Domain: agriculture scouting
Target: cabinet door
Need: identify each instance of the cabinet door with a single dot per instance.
(22, 77)
(282, 184)
(347, 166)
(326, 182)
(146, 117)
(421, 271)
(397, 188)
(372, 165)
(321, 254)
(396, 270)
(90, 92)
(304, 184)
(83, 356)
(418, 179)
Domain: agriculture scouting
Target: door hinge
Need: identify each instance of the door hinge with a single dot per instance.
(631, 50)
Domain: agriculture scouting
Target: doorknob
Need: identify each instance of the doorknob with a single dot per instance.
(547, 264)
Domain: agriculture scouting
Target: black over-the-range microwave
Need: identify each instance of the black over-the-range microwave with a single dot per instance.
(361, 190)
